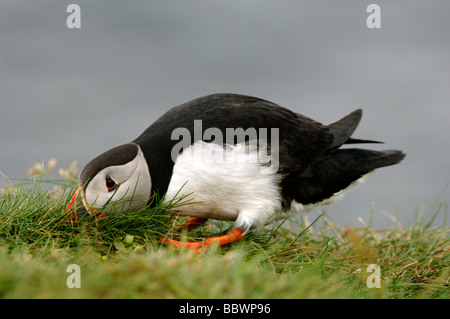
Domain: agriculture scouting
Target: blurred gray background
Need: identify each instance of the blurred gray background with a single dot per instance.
(75, 93)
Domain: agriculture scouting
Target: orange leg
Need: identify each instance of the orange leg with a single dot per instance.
(191, 223)
(233, 236)
(101, 215)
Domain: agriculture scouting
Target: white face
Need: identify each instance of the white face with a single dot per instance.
(122, 187)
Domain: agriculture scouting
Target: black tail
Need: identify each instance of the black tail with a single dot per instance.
(344, 128)
(338, 171)
(352, 140)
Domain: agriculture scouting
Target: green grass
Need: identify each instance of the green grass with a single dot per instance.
(120, 256)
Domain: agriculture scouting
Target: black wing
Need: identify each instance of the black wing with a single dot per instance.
(301, 140)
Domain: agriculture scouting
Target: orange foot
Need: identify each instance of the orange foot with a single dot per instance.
(233, 236)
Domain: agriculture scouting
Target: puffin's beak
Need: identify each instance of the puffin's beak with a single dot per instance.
(82, 209)
(74, 198)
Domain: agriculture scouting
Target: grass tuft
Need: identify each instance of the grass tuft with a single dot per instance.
(32, 216)
(120, 255)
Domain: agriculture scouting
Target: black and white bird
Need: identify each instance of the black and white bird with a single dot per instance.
(273, 163)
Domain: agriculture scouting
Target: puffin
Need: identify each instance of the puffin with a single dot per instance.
(234, 158)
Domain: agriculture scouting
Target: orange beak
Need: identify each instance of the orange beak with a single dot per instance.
(74, 198)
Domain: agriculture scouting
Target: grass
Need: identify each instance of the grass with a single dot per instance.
(120, 257)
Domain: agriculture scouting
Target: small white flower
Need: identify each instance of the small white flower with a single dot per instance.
(71, 172)
(51, 164)
(37, 169)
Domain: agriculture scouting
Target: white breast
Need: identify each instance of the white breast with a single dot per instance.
(234, 182)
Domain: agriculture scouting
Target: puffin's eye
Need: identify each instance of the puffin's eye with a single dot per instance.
(110, 183)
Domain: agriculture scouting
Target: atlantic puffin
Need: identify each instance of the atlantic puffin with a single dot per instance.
(236, 158)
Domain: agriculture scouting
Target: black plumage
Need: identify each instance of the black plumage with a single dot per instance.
(313, 166)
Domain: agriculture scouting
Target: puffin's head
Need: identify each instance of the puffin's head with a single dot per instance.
(120, 175)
